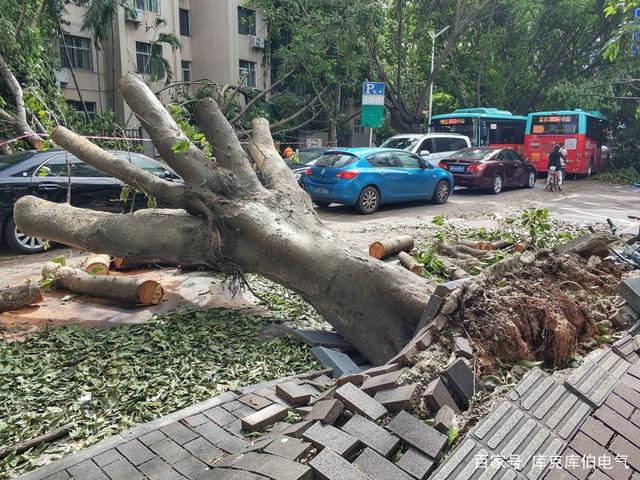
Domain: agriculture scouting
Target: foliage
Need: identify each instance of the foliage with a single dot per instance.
(619, 176)
(623, 12)
(134, 373)
(432, 265)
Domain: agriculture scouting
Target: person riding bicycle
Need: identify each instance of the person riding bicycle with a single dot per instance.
(555, 160)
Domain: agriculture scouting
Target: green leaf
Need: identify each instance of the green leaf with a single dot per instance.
(60, 260)
(181, 145)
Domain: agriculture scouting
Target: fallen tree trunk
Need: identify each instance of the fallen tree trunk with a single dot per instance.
(388, 248)
(479, 245)
(48, 437)
(13, 298)
(226, 219)
(97, 264)
(123, 289)
(409, 262)
(454, 272)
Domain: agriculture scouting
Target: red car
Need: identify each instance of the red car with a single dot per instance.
(489, 168)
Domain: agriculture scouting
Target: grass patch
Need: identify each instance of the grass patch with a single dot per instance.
(134, 373)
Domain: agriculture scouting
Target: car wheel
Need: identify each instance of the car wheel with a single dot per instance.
(497, 184)
(441, 193)
(322, 204)
(19, 241)
(369, 201)
(531, 181)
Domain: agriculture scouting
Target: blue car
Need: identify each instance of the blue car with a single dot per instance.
(370, 177)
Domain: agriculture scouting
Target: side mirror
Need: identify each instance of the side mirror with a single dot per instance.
(167, 175)
(425, 153)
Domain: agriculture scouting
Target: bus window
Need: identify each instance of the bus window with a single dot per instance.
(501, 132)
(596, 129)
(555, 124)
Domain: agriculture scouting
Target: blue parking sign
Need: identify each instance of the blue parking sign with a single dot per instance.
(372, 88)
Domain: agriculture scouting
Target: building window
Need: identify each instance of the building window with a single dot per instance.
(79, 49)
(186, 71)
(77, 105)
(185, 23)
(246, 21)
(357, 126)
(148, 5)
(248, 73)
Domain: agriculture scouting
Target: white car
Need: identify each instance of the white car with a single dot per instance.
(430, 146)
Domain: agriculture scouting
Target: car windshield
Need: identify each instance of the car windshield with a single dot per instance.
(403, 143)
(335, 159)
(9, 161)
(307, 156)
(474, 153)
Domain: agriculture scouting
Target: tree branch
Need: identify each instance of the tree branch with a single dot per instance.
(148, 183)
(253, 101)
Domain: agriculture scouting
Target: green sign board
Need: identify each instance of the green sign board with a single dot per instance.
(372, 116)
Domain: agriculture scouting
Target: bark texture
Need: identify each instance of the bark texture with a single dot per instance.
(390, 247)
(13, 298)
(229, 221)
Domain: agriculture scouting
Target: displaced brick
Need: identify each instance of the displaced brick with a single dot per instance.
(423, 338)
(355, 378)
(259, 420)
(414, 432)
(190, 467)
(135, 452)
(292, 393)
(431, 311)
(378, 467)
(288, 447)
(398, 398)
(256, 402)
(415, 463)
(232, 444)
(220, 416)
(319, 338)
(628, 347)
(203, 450)
(338, 362)
(464, 383)
(444, 419)
(156, 469)
(274, 467)
(179, 433)
(297, 429)
(86, 470)
(212, 432)
(327, 436)
(437, 396)
(372, 435)
(327, 411)
(380, 382)
(328, 465)
(382, 369)
(321, 382)
(462, 347)
(405, 355)
(624, 317)
(357, 401)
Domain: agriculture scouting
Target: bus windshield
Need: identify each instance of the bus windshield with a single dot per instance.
(463, 126)
(555, 124)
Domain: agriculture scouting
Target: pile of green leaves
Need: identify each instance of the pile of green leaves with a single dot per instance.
(134, 373)
(619, 176)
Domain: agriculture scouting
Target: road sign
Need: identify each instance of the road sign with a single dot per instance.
(635, 36)
(372, 104)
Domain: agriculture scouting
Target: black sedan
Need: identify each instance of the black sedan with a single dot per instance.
(489, 168)
(50, 174)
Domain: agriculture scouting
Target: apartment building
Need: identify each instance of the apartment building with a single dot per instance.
(222, 41)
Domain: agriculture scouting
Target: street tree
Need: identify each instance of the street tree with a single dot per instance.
(225, 218)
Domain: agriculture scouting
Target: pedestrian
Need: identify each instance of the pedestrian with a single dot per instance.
(288, 152)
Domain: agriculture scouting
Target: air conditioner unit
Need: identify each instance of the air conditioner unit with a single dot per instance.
(257, 42)
(62, 76)
(137, 17)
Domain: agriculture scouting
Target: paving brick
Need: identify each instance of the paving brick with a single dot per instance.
(630, 291)
(619, 424)
(157, 469)
(463, 382)
(288, 447)
(382, 369)
(179, 433)
(296, 395)
(404, 356)
(399, 398)
(628, 347)
(122, 470)
(558, 474)
(619, 405)
(338, 362)
(212, 432)
(169, 450)
(105, 458)
(321, 382)
(204, 450)
(232, 444)
(622, 447)
(135, 452)
(254, 401)
(414, 432)
(629, 394)
(423, 339)
(584, 445)
(635, 418)
(326, 410)
(63, 475)
(327, 436)
(196, 420)
(190, 467)
(436, 396)
(220, 416)
(328, 465)
(462, 347)
(297, 429)
(444, 419)
(355, 400)
(598, 475)
(372, 435)
(356, 379)
(378, 467)
(262, 418)
(152, 437)
(573, 464)
(380, 382)
(416, 463)
(233, 405)
(274, 467)
(319, 338)
(86, 470)
(597, 431)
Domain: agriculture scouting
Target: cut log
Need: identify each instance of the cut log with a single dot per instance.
(123, 263)
(464, 249)
(409, 262)
(387, 248)
(48, 437)
(13, 298)
(97, 264)
(521, 246)
(123, 289)
(453, 271)
(501, 244)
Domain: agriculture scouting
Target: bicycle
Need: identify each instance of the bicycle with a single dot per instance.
(553, 180)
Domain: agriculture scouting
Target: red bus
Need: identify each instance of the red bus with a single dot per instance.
(583, 134)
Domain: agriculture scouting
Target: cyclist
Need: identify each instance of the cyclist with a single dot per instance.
(555, 160)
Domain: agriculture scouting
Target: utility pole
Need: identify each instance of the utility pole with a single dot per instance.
(433, 53)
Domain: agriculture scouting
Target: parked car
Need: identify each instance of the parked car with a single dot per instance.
(306, 158)
(370, 177)
(430, 146)
(46, 175)
(490, 168)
